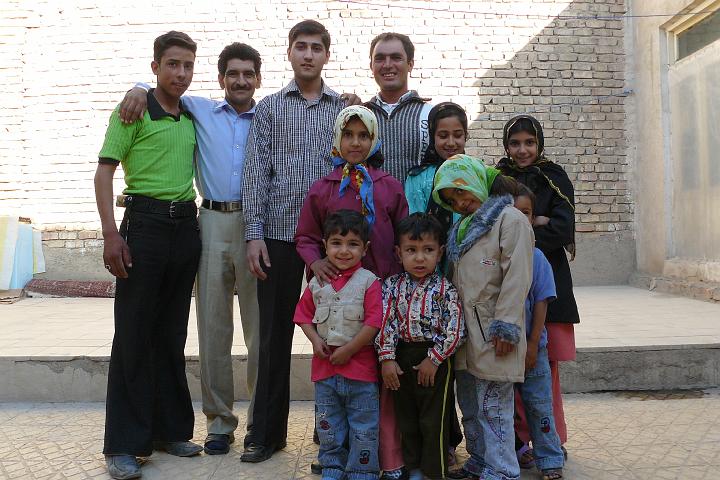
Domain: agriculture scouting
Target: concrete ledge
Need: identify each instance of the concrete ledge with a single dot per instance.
(642, 368)
(707, 291)
(84, 379)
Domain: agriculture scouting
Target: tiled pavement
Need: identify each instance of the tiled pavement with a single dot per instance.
(612, 436)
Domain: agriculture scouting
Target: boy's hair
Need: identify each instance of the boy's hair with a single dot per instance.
(241, 51)
(172, 39)
(344, 221)
(504, 185)
(406, 42)
(524, 191)
(309, 27)
(419, 224)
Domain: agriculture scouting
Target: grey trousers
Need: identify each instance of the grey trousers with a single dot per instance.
(223, 269)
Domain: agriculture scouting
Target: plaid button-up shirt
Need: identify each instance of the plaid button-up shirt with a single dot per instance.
(288, 149)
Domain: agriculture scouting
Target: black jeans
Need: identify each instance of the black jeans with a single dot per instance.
(147, 395)
(278, 295)
(424, 413)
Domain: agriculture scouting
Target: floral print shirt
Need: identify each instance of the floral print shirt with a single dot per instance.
(424, 311)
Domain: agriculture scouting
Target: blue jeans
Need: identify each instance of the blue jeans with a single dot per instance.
(487, 409)
(347, 412)
(536, 394)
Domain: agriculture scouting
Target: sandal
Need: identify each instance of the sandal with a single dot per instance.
(552, 474)
(525, 457)
(564, 450)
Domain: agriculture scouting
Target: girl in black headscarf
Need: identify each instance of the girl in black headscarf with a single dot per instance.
(554, 228)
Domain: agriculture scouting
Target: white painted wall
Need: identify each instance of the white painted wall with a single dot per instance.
(677, 174)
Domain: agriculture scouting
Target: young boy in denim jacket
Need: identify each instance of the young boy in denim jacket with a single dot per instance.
(341, 319)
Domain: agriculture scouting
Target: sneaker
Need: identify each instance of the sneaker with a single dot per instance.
(398, 474)
(178, 449)
(122, 467)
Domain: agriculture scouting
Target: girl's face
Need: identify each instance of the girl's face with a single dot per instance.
(461, 201)
(449, 137)
(523, 149)
(355, 141)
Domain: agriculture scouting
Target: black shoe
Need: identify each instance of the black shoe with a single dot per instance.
(217, 444)
(255, 453)
(316, 468)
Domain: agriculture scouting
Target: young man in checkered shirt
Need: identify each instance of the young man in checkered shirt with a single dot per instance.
(288, 149)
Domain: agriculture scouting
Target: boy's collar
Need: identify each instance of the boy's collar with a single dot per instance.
(156, 111)
(348, 272)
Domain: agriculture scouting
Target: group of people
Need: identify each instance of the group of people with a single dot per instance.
(421, 265)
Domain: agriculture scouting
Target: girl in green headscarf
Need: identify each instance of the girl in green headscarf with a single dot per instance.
(491, 249)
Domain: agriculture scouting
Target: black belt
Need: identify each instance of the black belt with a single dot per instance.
(173, 209)
(221, 206)
(416, 345)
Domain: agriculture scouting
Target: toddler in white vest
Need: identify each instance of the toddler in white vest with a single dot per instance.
(341, 319)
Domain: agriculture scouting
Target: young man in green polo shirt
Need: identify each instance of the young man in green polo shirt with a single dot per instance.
(154, 257)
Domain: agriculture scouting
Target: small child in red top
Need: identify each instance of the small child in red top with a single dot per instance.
(341, 319)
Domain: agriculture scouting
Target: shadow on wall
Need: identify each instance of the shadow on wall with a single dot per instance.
(571, 77)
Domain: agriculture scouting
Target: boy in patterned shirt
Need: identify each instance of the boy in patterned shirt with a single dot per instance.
(422, 327)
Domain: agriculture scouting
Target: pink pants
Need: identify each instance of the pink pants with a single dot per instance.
(521, 426)
(389, 441)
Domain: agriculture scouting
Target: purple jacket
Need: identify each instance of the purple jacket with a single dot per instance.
(323, 199)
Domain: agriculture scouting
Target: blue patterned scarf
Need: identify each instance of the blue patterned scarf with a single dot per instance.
(364, 180)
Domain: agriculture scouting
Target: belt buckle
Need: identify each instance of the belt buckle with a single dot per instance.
(172, 209)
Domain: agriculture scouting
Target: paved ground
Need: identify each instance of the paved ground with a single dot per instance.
(629, 436)
(612, 436)
(610, 317)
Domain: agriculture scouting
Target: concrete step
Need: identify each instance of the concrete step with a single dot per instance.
(84, 378)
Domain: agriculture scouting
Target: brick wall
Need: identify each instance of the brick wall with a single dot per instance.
(64, 67)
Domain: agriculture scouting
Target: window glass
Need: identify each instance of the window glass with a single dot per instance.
(699, 36)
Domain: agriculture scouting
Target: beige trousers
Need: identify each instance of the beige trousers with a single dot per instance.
(223, 269)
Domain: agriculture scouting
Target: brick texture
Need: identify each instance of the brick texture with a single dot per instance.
(64, 66)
